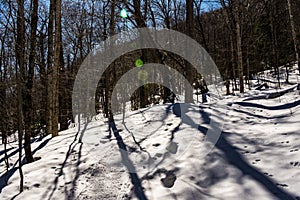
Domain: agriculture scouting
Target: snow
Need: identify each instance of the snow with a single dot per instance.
(160, 155)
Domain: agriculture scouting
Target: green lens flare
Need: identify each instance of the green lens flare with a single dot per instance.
(139, 63)
(143, 75)
(123, 13)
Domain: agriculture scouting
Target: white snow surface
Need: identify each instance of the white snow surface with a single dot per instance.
(256, 157)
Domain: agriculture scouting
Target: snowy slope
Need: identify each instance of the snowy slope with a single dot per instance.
(158, 155)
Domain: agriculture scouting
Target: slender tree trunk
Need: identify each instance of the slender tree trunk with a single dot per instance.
(4, 127)
(49, 107)
(57, 67)
(20, 71)
(28, 108)
(239, 45)
(287, 73)
(140, 20)
(274, 41)
(294, 34)
(201, 30)
(234, 88)
(230, 22)
(248, 66)
(4, 139)
(111, 34)
(43, 77)
(190, 30)
(20, 137)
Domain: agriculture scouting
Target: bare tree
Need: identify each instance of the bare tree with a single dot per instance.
(28, 102)
(237, 14)
(57, 67)
(189, 30)
(49, 107)
(20, 71)
(294, 34)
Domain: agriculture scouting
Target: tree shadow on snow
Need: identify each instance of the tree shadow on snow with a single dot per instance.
(14, 168)
(138, 189)
(71, 150)
(234, 158)
(279, 107)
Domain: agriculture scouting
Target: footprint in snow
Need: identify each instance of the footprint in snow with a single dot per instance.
(285, 142)
(268, 174)
(295, 164)
(282, 185)
(256, 161)
(169, 180)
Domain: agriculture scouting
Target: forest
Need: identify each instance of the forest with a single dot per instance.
(44, 42)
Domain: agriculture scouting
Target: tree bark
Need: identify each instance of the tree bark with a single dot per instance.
(239, 45)
(28, 104)
(49, 107)
(57, 67)
(188, 66)
(294, 34)
(20, 71)
(274, 39)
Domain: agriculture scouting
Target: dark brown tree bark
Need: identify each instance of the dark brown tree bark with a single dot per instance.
(20, 71)
(188, 66)
(294, 34)
(28, 104)
(239, 44)
(49, 107)
(273, 13)
(111, 34)
(57, 67)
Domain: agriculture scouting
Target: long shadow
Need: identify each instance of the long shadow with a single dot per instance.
(69, 152)
(261, 116)
(280, 107)
(12, 170)
(3, 151)
(271, 95)
(17, 149)
(135, 141)
(42, 145)
(235, 159)
(138, 189)
(176, 109)
(7, 175)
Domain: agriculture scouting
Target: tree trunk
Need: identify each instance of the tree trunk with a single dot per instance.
(233, 60)
(43, 77)
(111, 34)
(57, 67)
(49, 107)
(28, 105)
(20, 71)
(141, 23)
(189, 67)
(274, 41)
(294, 35)
(239, 45)
(248, 66)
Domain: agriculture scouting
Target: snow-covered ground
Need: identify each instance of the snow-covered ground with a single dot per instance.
(159, 153)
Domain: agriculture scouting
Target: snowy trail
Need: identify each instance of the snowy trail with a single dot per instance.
(257, 156)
